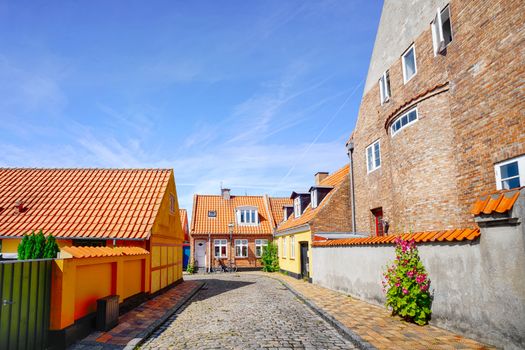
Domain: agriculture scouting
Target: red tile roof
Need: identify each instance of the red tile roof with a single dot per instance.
(97, 252)
(276, 205)
(80, 203)
(184, 222)
(201, 223)
(499, 202)
(419, 237)
(309, 214)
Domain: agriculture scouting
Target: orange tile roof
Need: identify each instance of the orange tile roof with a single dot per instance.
(98, 252)
(419, 237)
(202, 224)
(499, 202)
(276, 205)
(184, 222)
(333, 180)
(80, 203)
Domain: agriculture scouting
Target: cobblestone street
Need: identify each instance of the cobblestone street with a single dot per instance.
(243, 311)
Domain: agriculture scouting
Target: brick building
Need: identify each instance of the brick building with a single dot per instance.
(442, 118)
(233, 228)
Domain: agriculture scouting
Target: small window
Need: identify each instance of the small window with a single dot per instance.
(384, 87)
(297, 206)
(373, 156)
(313, 195)
(212, 214)
(172, 204)
(241, 248)
(247, 216)
(510, 174)
(220, 248)
(285, 239)
(292, 247)
(404, 120)
(260, 247)
(409, 64)
(441, 30)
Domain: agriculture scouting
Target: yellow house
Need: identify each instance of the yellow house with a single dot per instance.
(97, 207)
(323, 209)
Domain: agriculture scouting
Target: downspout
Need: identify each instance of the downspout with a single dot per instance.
(209, 253)
(350, 152)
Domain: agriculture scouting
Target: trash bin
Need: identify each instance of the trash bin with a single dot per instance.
(107, 312)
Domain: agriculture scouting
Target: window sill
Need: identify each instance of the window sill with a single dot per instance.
(371, 171)
(241, 257)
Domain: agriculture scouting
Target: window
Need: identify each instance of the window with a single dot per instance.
(220, 248)
(373, 156)
(292, 247)
(172, 204)
(384, 87)
(260, 247)
(510, 174)
(409, 64)
(284, 246)
(247, 216)
(212, 214)
(404, 120)
(297, 206)
(378, 221)
(285, 214)
(441, 30)
(241, 248)
(313, 194)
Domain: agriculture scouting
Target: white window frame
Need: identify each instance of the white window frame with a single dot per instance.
(297, 206)
(285, 246)
(521, 171)
(260, 244)
(374, 166)
(247, 216)
(413, 48)
(241, 243)
(220, 243)
(384, 87)
(438, 38)
(313, 198)
(407, 124)
(292, 247)
(285, 214)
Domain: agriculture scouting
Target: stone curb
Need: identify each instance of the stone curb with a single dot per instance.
(341, 328)
(134, 343)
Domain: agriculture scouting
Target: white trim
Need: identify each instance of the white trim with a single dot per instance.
(413, 48)
(313, 198)
(521, 171)
(250, 215)
(241, 243)
(297, 206)
(292, 247)
(285, 246)
(374, 166)
(438, 37)
(220, 243)
(260, 243)
(393, 133)
(384, 88)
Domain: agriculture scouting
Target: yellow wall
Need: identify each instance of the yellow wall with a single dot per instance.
(77, 283)
(166, 242)
(294, 265)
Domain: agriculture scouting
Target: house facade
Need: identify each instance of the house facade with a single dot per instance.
(227, 228)
(97, 207)
(442, 118)
(323, 209)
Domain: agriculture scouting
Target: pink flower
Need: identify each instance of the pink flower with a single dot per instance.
(398, 284)
(410, 274)
(424, 287)
(405, 291)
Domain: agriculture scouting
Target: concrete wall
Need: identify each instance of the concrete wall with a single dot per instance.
(478, 287)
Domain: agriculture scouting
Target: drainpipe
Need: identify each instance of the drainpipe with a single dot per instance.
(209, 252)
(350, 152)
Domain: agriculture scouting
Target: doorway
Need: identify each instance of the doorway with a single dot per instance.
(305, 273)
(200, 254)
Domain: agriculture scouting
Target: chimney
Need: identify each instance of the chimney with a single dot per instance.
(320, 176)
(225, 193)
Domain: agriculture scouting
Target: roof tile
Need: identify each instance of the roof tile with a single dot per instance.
(499, 202)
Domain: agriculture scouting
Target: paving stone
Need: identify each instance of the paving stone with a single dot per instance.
(245, 311)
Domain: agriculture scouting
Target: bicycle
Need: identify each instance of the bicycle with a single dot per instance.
(221, 267)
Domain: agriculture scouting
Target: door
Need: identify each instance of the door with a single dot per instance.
(378, 221)
(200, 253)
(305, 273)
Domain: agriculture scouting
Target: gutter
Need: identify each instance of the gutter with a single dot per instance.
(301, 228)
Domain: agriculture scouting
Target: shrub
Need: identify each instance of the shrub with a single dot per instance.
(36, 246)
(190, 268)
(269, 259)
(406, 284)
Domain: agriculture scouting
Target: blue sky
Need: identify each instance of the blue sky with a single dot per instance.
(258, 95)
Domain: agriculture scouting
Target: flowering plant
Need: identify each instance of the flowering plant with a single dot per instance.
(406, 284)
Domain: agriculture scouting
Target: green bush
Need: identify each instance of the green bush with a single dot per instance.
(36, 246)
(190, 268)
(270, 259)
(407, 285)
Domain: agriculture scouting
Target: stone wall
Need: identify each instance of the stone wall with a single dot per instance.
(478, 286)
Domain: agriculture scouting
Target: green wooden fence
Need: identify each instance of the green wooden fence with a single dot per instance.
(25, 291)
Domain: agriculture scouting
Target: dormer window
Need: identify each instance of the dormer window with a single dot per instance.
(297, 206)
(285, 214)
(212, 214)
(314, 196)
(247, 216)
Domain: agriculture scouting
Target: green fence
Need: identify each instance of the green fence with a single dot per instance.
(25, 291)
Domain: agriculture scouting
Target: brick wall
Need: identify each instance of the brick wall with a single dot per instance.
(471, 104)
(335, 215)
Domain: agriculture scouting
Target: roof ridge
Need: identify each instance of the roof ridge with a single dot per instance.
(86, 168)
